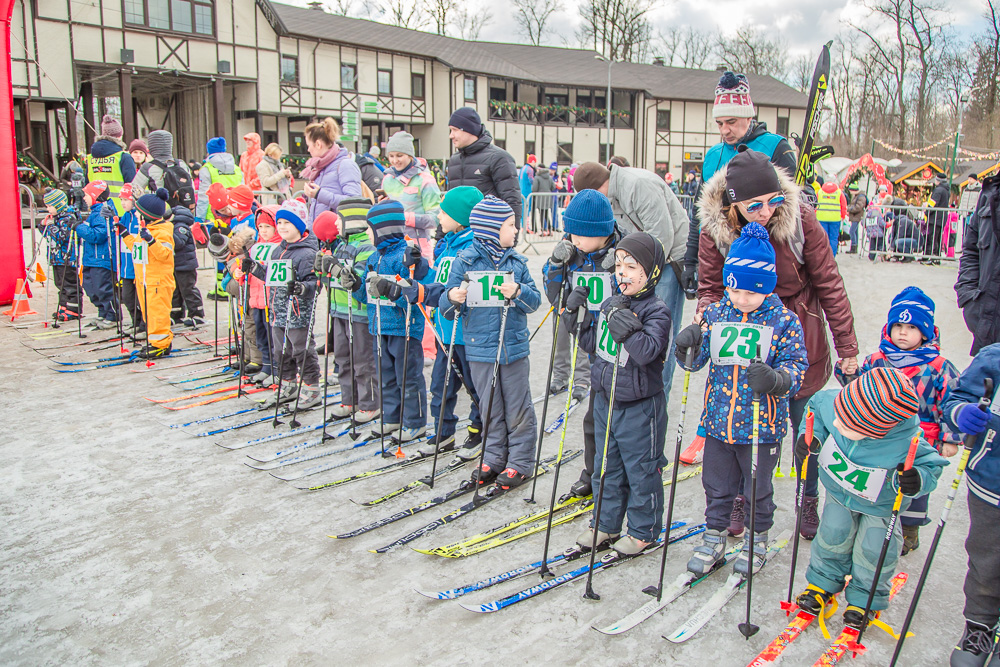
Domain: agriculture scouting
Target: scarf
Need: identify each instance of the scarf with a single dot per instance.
(285, 183)
(315, 165)
(399, 172)
(919, 356)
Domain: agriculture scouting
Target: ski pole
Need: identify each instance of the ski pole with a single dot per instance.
(378, 352)
(302, 364)
(79, 285)
(489, 401)
(245, 304)
(451, 361)
(281, 358)
(748, 629)
(970, 440)
(856, 646)
(145, 292)
(444, 394)
(406, 358)
(799, 481)
(688, 365)
(326, 357)
(575, 332)
(539, 327)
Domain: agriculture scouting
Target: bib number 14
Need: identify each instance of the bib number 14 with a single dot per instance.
(484, 288)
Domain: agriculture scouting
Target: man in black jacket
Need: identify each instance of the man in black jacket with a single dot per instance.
(937, 218)
(480, 163)
(978, 285)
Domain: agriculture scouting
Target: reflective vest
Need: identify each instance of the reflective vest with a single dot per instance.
(109, 170)
(828, 205)
(228, 180)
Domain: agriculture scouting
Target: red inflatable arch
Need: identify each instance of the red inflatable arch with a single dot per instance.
(11, 241)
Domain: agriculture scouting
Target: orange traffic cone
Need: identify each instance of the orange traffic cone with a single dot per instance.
(39, 273)
(20, 307)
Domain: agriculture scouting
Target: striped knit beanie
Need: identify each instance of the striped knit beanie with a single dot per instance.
(876, 402)
(732, 97)
(486, 219)
(750, 262)
(161, 144)
(353, 213)
(387, 220)
(56, 199)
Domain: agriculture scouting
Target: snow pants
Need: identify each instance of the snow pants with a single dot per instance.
(510, 442)
(187, 299)
(262, 333)
(632, 479)
(723, 467)
(564, 352)
(154, 300)
(65, 278)
(982, 582)
(849, 543)
(414, 408)
(363, 371)
(99, 284)
(300, 341)
(450, 393)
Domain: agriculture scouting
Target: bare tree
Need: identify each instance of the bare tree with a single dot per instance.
(341, 7)
(532, 17)
(619, 29)
(441, 14)
(685, 47)
(750, 51)
(469, 23)
(986, 80)
(405, 14)
(800, 74)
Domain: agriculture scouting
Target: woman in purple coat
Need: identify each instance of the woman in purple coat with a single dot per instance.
(331, 173)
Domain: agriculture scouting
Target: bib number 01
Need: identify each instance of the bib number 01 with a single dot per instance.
(484, 289)
(140, 252)
(739, 343)
(279, 272)
(607, 348)
(598, 285)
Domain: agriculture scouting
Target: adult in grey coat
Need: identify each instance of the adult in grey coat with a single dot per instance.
(978, 286)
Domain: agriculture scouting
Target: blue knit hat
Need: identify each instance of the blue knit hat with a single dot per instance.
(589, 214)
(750, 262)
(153, 206)
(56, 199)
(387, 220)
(486, 219)
(292, 211)
(913, 306)
(216, 145)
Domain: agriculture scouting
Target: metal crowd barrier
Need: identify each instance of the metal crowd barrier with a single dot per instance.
(910, 233)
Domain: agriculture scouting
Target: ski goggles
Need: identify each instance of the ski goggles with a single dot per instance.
(773, 203)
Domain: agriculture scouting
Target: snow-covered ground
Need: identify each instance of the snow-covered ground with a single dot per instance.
(127, 542)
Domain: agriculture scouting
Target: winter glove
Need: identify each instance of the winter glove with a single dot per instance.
(329, 265)
(348, 279)
(146, 236)
(386, 288)
(569, 320)
(198, 234)
(689, 281)
(803, 449)
(577, 298)
(298, 289)
(615, 302)
(908, 480)
(564, 253)
(766, 380)
(970, 419)
(246, 265)
(120, 229)
(622, 323)
(688, 338)
(108, 211)
(412, 256)
(318, 262)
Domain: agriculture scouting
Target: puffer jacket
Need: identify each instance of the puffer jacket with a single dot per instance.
(159, 271)
(357, 250)
(809, 282)
(94, 233)
(185, 251)
(340, 179)
(59, 235)
(125, 268)
(978, 285)
(418, 192)
(542, 182)
(726, 386)
(488, 168)
(445, 252)
(387, 261)
(303, 254)
(590, 262)
(226, 164)
(642, 375)
(856, 209)
(249, 160)
(757, 138)
(885, 453)
(371, 173)
(482, 325)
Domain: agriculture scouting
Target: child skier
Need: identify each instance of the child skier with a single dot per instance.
(58, 233)
(266, 233)
(510, 447)
(187, 306)
(871, 423)
(756, 346)
(639, 324)
(590, 235)
(154, 280)
(982, 581)
(911, 343)
(126, 271)
(98, 278)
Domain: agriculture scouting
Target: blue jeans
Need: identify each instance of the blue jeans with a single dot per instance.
(670, 291)
(854, 235)
(450, 393)
(833, 232)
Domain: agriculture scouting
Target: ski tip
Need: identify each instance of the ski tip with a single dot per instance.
(433, 595)
(478, 608)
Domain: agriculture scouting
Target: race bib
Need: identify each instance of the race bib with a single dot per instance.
(443, 270)
(599, 285)
(995, 405)
(739, 343)
(261, 252)
(380, 300)
(140, 252)
(860, 481)
(279, 272)
(484, 288)
(607, 348)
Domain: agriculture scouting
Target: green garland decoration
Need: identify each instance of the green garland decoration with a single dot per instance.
(513, 107)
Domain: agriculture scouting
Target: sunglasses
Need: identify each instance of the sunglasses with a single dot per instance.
(773, 202)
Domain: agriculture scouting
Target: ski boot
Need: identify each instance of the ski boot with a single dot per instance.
(813, 599)
(310, 397)
(709, 554)
(911, 539)
(484, 475)
(251, 369)
(759, 548)
(580, 393)
(444, 444)
(585, 539)
(386, 430)
(557, 387)
(581, 488)
(342, 410)
(737, 517)
(854, 617)
(630, 546)
(810, 517)
(365, 416)
(510, 478)
(405, 435)
(153, 352)
(287, 395)
(472, 446)
(973, 649)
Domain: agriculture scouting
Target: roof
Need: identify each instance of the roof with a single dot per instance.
(574, 67)
(907, 169)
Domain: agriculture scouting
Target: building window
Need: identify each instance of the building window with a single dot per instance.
(188, 16)
(565, 153)
(470, 88)
(385, 82)
(289, 69)
(782, 128)
(529, 148)
(604, 154)
(500, 143)
(663, 120)
(348, 77)
(417, 86)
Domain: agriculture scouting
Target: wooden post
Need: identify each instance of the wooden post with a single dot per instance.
(25, 113)
(128, 108)
(220, 116)
(89, 135)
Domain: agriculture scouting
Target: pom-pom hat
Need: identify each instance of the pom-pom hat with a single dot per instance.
(876, 402)
(750, 262)
(732, 97)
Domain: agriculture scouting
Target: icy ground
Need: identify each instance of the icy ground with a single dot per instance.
(125, 542)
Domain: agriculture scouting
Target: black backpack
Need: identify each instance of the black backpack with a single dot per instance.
(177, 181)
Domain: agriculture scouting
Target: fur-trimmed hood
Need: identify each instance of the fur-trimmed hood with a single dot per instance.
(782, 227)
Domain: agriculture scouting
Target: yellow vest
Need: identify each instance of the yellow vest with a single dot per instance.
(228, 180)
(828, 205)
(109, 170)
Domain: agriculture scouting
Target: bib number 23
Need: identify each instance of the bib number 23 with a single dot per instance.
(738, 343)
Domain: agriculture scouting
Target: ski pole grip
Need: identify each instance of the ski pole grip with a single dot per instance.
(912, 454)
(689, 359)
(810, 426)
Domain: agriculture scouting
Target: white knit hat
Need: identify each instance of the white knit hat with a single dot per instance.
(732, 97)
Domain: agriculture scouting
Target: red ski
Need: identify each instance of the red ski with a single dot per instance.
(847, 639)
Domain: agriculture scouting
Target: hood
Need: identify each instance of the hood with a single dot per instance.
(484, 140)
(830, 187)
(224, 162)
(781, 228)
(758, 129)
(182, 216)
(363, 160)
(253, 142)
(105, 146)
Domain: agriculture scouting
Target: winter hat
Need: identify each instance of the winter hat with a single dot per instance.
(401, 142)
(294, 212)
(387, 220)
(161, 144)
(56, 199)
(467, 119)
(589, 214)
(532, 159)
(265, 215)
(876, 402)
(486, 219)
(353, 211)
(110, 127)
(216, 145)
(218, 196)
(326, 226)
(125, 194)
(95, 189)
(459, 202)
(554, 166)
(138, 145)
(750, 262)
(241, 197)
(153, 207)
(750, 174)
(913, 306)
(732, 97)
(648, 251)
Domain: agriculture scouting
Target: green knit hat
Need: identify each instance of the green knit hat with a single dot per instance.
(60, 202)
(458, 203)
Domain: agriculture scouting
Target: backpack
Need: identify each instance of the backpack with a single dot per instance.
(177, 181)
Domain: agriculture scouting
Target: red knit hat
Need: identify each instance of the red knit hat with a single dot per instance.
(218, 196)
(241, 197)
(265, 215)
(876, 402)
(95, 189)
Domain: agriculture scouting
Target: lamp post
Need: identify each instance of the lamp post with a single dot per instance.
(607, 112)
(962, 101)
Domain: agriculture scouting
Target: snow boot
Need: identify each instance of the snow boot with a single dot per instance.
(854, 617)
(911, 539)
(630, 546)
(742, 562)
(586, 538)
(472, 446)
(445, 444)
(342, 410)
(510, 478)
(288, 393)
(311, 397)
(737, 517)
(973, 649)
(813, 599)
(810, 517)
(365, 416)
(710, 553)
(484, 475)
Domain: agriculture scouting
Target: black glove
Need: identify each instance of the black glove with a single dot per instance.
(765, 380)
(120, 229)
(412, 256)
(615, 302)
(318, 262)
(689, 281)
(298, 288)
(908, 480)
(329, 265)
(146, 236)
(622, 323)
(803, 449)
(349, 280)
(688, 338)
(577, 298)
(108, 211)
(386, 288)
(246, 265)
(564, 253)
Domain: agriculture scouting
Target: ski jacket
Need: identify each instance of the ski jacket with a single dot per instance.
(249, 160)
(757, 138)
(125, 268)
(219, 167)
(356, 250)
(445, 252)
(59, 235)
(159, 270)
(185, 250)
(338, 180)
(525, 178)
(387, 261)
(978, 285)
(302, 254)
(488, 168)
(258, 292)
(418, 192)
(590, 262)
(94, 233)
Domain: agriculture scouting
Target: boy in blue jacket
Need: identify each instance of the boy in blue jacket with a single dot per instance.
(98, 277)
(638, 326)
(755, 345)
(58, 232)
(861, 437)
(126, 271)
(510, 447)
(982, 582)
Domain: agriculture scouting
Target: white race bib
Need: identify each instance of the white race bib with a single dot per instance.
(443, 270)
(860, 481)
(484, 288)
(739, 343)
(140, 252)
(607, 348)
(380, 300)
(599, 284)
(261, 252)
(279, 272)
(995, 405)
